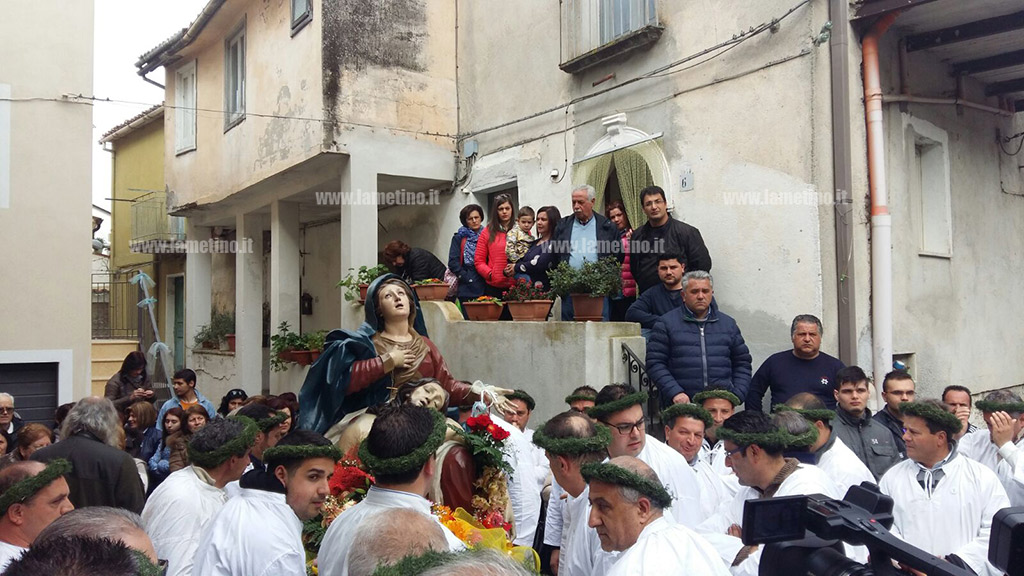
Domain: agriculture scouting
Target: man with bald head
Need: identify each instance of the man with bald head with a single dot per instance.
(32, 495)
(101, 522)
(390, 535)
(627, 503)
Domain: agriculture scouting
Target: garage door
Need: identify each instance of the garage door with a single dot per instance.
(34, 387)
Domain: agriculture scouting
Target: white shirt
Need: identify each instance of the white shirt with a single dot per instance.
(956, 518)
(843, 467)
(712, 488)
(804, 480)
(665, 549)
(333, 558)
(581, 553)
(177, 513)
(675, 473)
(269, 545)
(9, 553)
(554, 519)
(1005, 461)
(715, 457)
(523, 491)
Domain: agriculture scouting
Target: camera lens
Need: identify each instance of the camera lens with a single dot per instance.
(829, 562)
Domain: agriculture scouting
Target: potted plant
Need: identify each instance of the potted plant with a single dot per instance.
(315, 343)
(588, 286)
(484, 308)
(431, 289)
(357, 283)
(528, 301)
(284, 347)
(220, 329)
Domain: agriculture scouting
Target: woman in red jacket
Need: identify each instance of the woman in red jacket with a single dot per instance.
(490, 260)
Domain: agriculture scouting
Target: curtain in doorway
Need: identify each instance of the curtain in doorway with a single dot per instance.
(600, 169)
(634, 175)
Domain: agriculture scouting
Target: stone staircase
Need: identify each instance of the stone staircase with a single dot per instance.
(107, 356)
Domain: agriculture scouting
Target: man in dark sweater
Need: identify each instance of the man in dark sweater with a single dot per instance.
(805, 368)
(663, 234)
(661, 299)
(897, 388)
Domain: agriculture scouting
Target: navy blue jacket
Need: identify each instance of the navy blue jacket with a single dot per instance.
(609, 241)
(652, 304)
(471, 284)
(537, 262)
(684, 355)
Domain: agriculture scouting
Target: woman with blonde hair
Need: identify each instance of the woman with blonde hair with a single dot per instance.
(30, 438)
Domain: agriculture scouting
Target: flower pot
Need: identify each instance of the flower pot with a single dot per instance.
(313, 355)
(231, 342)
(302, 357)
(210, 345)
(482, 311)
(431, 291)
(587, 308)
(363, 288)
(535, 310)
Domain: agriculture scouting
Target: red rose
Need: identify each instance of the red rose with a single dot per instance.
(498, 432)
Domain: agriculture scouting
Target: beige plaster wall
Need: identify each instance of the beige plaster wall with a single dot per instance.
(47, 52)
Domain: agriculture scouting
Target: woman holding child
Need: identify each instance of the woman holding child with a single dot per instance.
(540, 258)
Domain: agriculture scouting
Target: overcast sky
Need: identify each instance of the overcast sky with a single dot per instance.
(125, 29)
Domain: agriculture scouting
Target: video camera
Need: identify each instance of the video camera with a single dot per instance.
(805, 535)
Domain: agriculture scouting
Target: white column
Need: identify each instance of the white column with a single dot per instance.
(249, 303)
(198, 287)
(285, 271)
(358, 227)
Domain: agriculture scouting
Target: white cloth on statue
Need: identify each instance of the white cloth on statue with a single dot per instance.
(553, 520)
(177, 513)
(843, 467)
(956, 518)
(712, 488)
(523, 493)
(1005, 461)
(9, 553)
(333, 558)
(581, 553)
(675, 473)
(270, 544)
(804, 480)
(668, 549)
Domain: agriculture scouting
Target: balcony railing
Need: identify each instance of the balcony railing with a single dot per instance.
(596, 30)
(152, 227)
(636, 374)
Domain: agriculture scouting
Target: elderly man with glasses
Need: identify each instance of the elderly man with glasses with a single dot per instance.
(619, 407)
(9, 421)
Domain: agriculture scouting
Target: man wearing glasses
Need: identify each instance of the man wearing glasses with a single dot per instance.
(9, 422)
(620, 407)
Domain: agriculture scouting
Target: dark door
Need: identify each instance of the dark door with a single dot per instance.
(34, 387)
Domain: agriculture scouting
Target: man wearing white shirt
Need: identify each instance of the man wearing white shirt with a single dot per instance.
(571, 440)
(627, 501)
(399, 451)
(1000, 447)
(273, 507)
(32, 495)
(834, 458)
(943, 502)
(184, 504)
(754, 450)
(619, 407)
(684, 432)
(721, 404)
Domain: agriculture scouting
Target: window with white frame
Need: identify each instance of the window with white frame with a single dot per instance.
(620, 17)
(929, 186)
(185, 108)
(595, 30)
(302, 13)
(234, 78)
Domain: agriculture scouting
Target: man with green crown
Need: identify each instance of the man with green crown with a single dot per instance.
(620, 408)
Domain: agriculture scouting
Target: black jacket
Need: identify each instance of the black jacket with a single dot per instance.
(895, 425)
(421, 265)
(100, 476)
(609, 241)
(679, 237)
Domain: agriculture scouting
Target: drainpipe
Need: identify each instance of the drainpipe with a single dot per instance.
(881, 221)
(842, 180)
